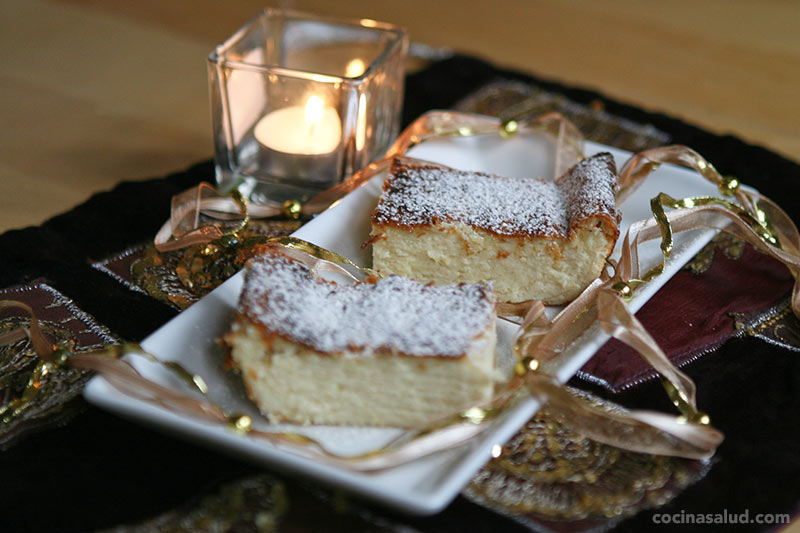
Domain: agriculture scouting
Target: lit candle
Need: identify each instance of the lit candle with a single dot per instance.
(312, 129)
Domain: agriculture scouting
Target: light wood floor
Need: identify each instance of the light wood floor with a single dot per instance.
(97, 91)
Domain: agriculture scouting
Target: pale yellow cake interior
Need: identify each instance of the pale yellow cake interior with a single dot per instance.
(553, 270)
(289, 382)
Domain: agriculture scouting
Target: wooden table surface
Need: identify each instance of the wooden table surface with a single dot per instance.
(98, 91)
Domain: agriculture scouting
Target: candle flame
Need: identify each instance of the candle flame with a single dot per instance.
(355, 68)
(313, 110)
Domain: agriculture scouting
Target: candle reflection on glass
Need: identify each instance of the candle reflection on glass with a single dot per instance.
(361, 122)
(355, 68)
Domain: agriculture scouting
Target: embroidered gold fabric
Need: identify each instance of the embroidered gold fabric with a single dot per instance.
(513, 99)
(777, 325)
(266, 504)
(250, 504)
(730, 246)
(548, 473)
(62, 321)
(181, 277)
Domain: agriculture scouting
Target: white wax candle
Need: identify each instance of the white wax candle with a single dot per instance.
(312, 129)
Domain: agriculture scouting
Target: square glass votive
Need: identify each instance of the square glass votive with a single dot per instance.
(300, 102)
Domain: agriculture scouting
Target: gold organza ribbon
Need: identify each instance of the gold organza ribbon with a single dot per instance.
(184, 226)
(34, 331)
(756, 220)
(539, 340)
(435, 436)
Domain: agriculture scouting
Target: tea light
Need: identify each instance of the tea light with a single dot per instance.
(312, 129)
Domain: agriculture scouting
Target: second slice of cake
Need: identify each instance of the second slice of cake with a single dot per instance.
(392, 352)
(536, 239)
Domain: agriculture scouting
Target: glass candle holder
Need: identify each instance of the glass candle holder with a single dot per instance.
(299, 102)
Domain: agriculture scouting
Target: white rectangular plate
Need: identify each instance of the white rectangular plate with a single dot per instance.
(427, 485)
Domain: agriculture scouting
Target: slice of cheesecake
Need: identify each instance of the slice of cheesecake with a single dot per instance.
(536, 239)
(391, 352)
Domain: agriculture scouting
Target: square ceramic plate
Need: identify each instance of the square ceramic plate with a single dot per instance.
(427, 485)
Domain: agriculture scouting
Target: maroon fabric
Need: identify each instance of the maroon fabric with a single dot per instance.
(118, 266)
(691, 314)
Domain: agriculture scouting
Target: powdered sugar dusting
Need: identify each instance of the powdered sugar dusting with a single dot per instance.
(424, 194)
(394, 313)
(589, 188)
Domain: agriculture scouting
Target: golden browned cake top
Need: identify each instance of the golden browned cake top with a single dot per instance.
(394, 314)
(419, 194)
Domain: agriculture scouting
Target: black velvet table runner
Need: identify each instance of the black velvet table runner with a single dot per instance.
(98, 471)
